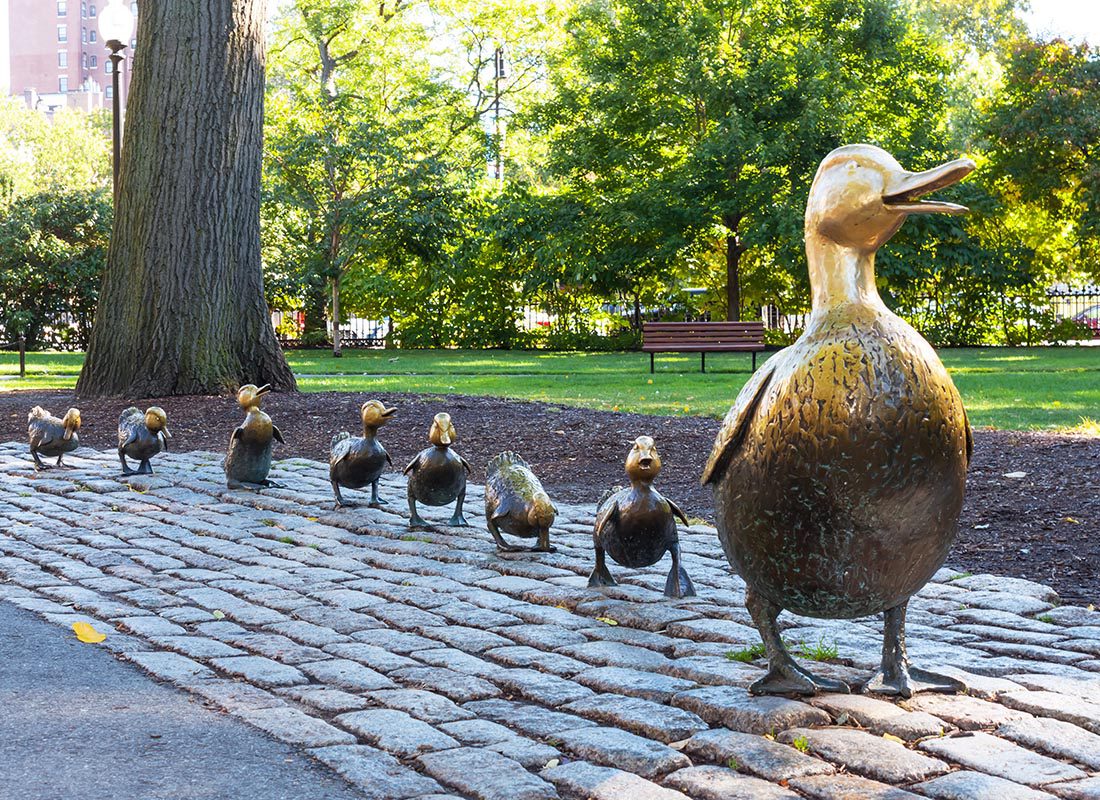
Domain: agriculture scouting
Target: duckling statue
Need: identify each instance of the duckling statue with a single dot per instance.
(50, 436)
(516, 503)
(142, 436)
(636, 526)
(438, 474)
(839, 472)
(357, 461)
(249, 458)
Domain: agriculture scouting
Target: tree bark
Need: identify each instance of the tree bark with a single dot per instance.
(734, 249)
(182, 306)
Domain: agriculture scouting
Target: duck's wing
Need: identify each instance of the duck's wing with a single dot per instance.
(607, 519)
(277, 434)
(676, 510)
(238, 432)
(128, 422)
(465, 464)
(341, 447)
(414, 465)
(732, 432)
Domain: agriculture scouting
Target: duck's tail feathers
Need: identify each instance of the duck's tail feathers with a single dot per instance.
(130, 414)
(504, 459)
(607, 496)
(340, 437)
(37, 413)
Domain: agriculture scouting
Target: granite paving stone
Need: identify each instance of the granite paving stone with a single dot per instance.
(1086, 789)
(623, 750)
(867, 755)
(384, 655)
(644, 717)
(378, 775)
(346, 674)
(579, 780)
(967, 785)
(737, 710)
(983, 752)
(754, 754)
(720, 783)
(485, 775)
(395, 732)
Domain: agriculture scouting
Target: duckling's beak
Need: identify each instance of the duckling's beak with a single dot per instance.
(646, 462)
(164, 437)
(389, 412)
(164, 430)
(903, 190)
(68, 434)
(263, 390)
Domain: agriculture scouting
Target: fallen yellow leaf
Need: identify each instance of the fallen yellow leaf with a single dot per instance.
(86, 633)
(606, 620)
(891, 738)
(217, 614)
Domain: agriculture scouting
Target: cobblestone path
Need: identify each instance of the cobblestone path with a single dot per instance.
(427, 665)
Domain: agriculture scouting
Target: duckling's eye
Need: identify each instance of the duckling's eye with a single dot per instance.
(853, 166)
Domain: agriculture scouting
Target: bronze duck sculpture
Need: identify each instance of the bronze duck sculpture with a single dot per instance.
(516, 503)
(141, 436)
(636, 526)
(358, 461)
(839, 472)
(249, 458)
(438, 474)
(52, 437)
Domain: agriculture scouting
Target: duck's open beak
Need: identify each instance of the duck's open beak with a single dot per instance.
(904, 189)
(164, 437)
(389, 412)
(263, 389)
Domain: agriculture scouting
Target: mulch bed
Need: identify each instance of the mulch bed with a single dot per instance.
(1044, 526)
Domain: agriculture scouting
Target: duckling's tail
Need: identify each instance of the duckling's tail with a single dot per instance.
(504, 459)
(340, 437)
(37, 413)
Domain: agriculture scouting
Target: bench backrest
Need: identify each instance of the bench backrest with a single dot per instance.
(703, 332)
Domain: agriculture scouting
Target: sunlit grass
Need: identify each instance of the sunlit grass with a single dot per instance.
(1038, 388)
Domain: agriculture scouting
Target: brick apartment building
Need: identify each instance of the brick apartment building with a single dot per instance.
(52, 56)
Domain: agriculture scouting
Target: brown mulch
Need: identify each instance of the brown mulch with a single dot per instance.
(1045, 526)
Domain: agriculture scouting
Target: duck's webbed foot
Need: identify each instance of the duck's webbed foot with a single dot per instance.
(38, 465)
(340, 501)
(678, 583)
(502, 545)
(600, 576)
(457, 520)
(375, 500)
(415, 520)
(145, 468)
(784, 675)
(269, 484)
(895, 676)
(544, 545)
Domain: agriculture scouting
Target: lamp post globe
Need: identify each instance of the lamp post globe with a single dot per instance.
(116, 23)
(116, 26)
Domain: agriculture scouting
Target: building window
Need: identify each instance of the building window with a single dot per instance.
(107, 67)
(84, 34)
(92, 35)
(95, 62)
(62, 33)
(62, 58)
(84, 10)
(133, 44)
(62, 83)
(62, 8)
(91, 10)
(133, 9)
(83, 60)
(109, 92)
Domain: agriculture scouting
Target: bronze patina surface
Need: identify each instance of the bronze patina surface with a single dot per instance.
(636, 526)
(142, 436)
(839, 472)
(249, 458)
(516, 503)
(358, 461)
(52, 437)
(438, 474)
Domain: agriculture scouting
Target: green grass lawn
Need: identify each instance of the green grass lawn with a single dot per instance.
(1003, 387)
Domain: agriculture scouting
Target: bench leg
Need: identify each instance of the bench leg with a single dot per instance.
(651, 363)
(703, 367)
(754, 361)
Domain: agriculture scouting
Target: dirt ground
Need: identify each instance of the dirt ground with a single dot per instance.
(1044, 526)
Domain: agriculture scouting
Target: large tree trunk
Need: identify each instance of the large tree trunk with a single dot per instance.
(182, 306)
(734, 249)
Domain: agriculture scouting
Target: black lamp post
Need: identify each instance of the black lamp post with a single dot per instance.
(116, 26)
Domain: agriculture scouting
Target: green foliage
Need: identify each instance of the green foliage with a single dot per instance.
(747, 654)
(53, 249)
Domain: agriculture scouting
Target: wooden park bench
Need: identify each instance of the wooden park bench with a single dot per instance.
(702, 338)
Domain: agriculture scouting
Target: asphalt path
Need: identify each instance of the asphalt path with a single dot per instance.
(77, 724)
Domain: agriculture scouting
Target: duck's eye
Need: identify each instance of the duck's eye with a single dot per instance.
(853, 166)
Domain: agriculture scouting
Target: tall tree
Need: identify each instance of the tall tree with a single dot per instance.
(182, 307)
